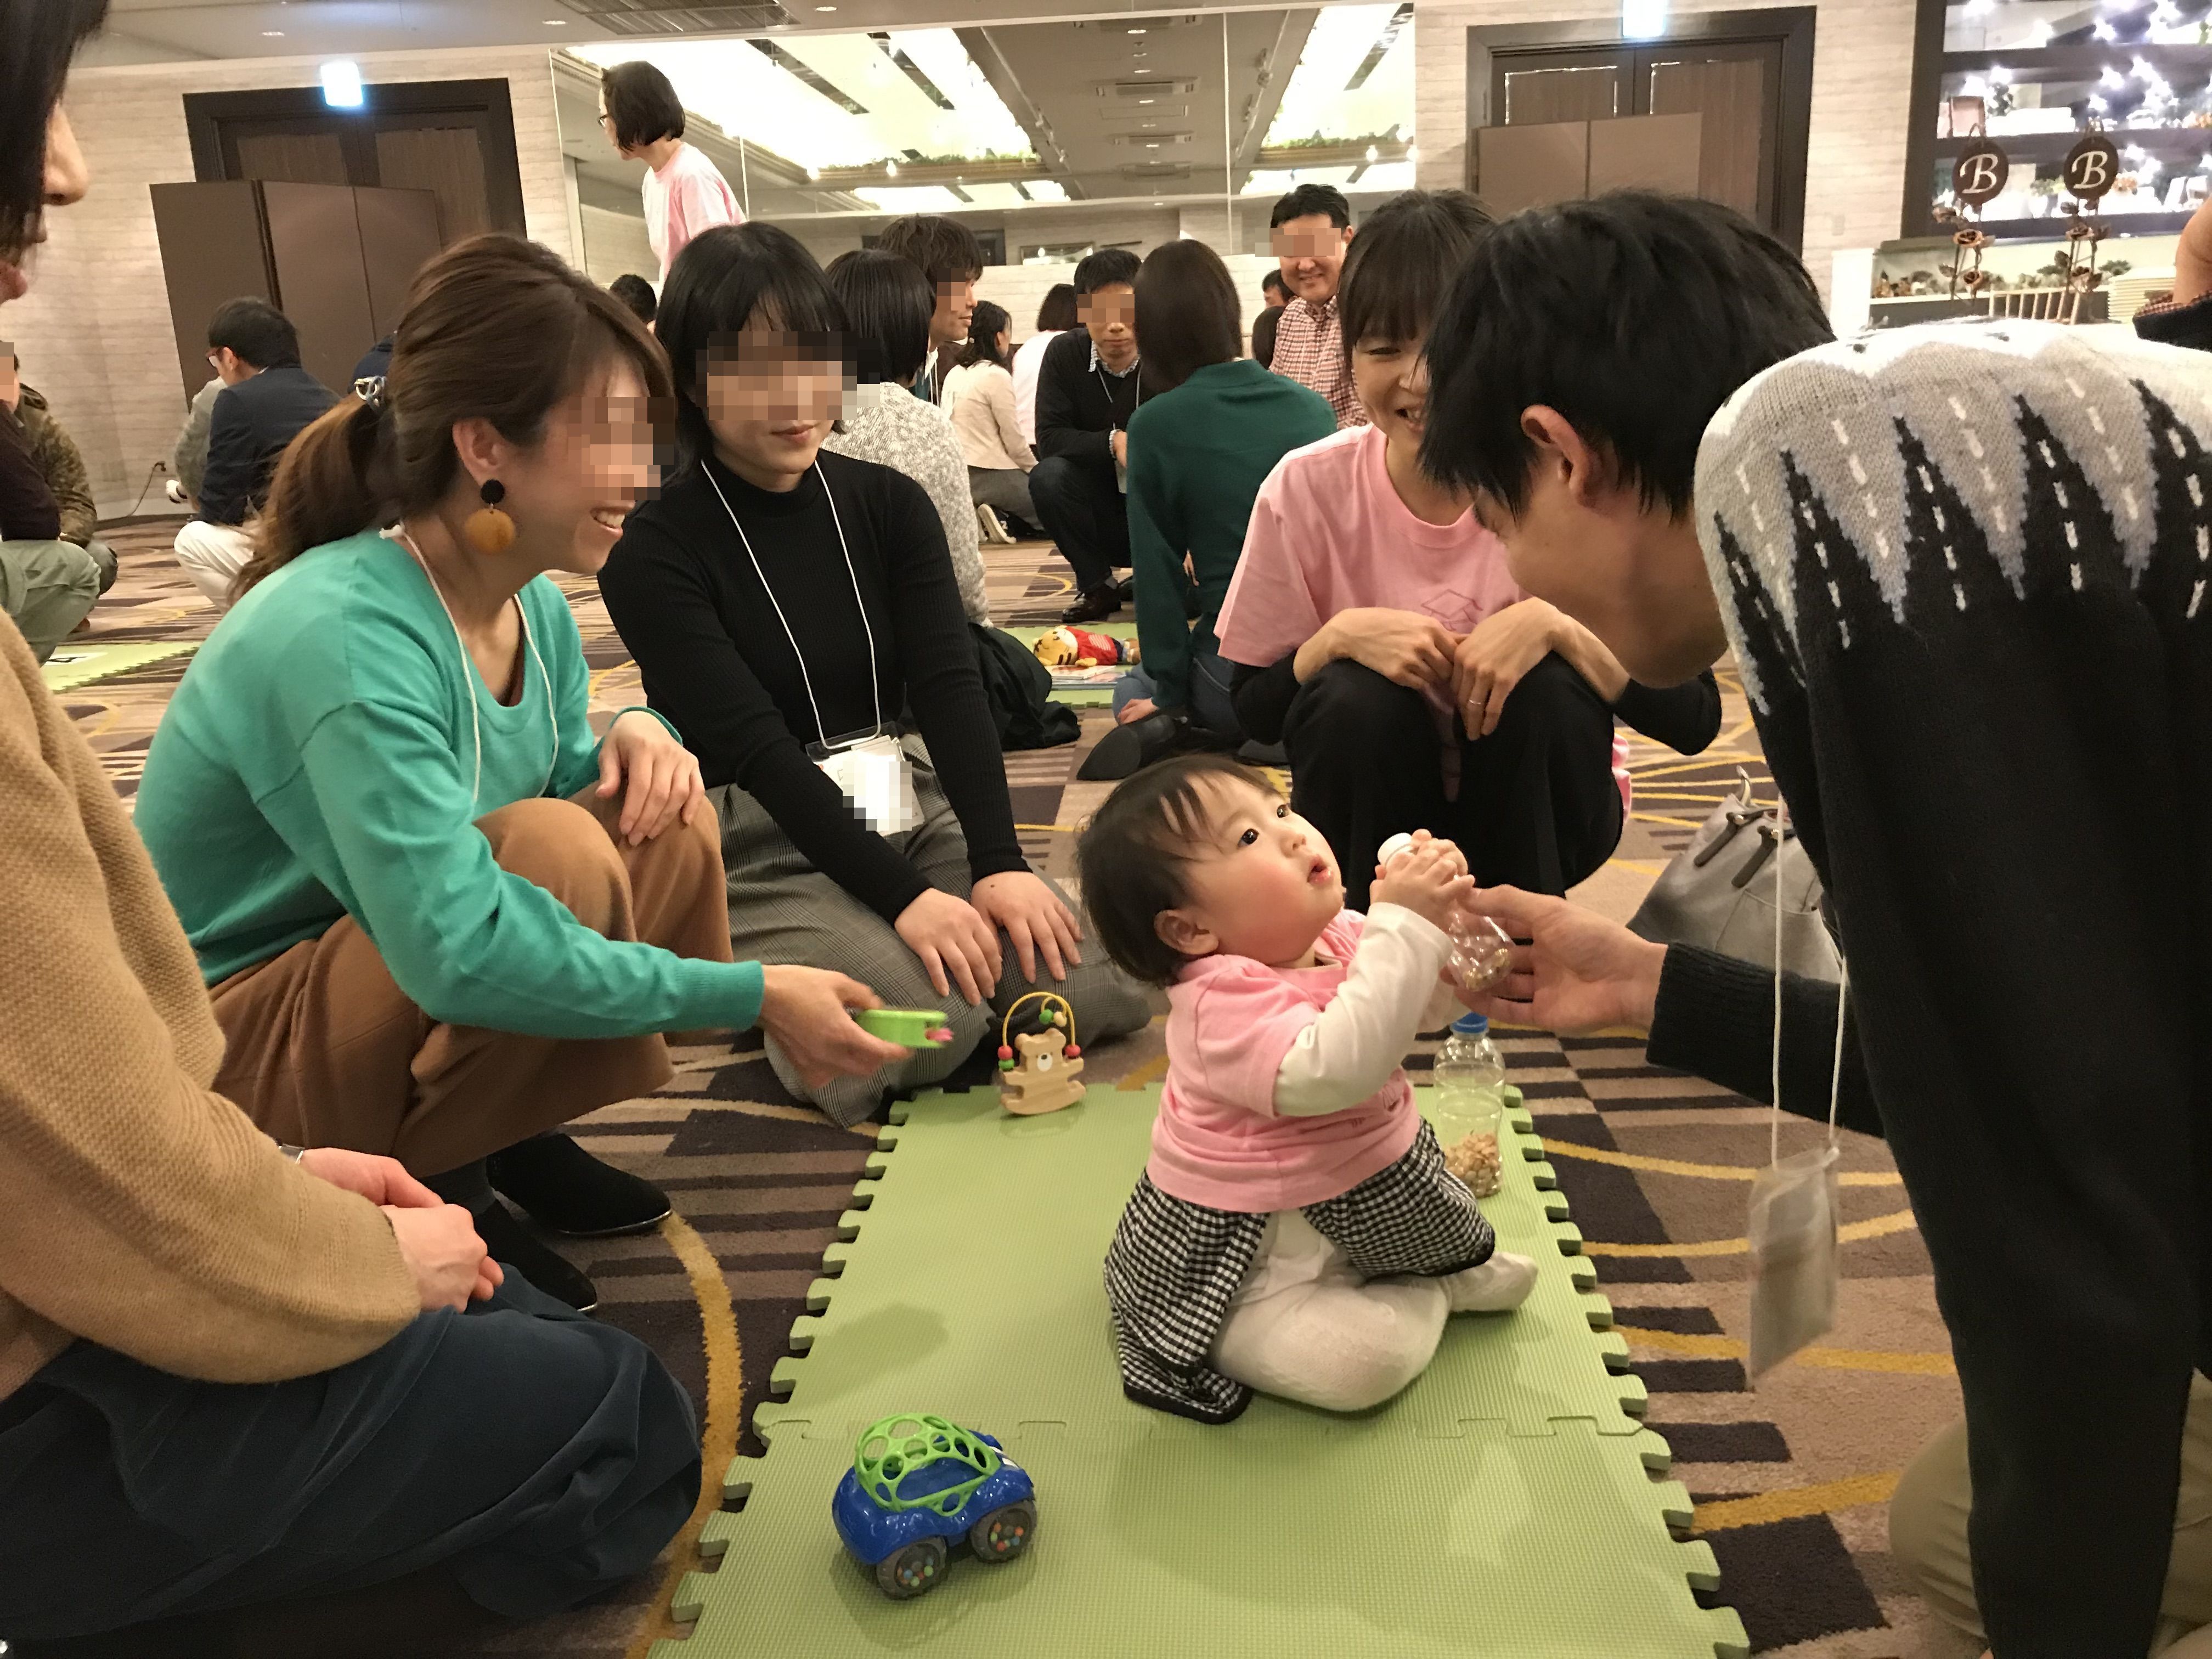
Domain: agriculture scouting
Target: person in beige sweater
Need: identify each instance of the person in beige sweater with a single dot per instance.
(231, 1372)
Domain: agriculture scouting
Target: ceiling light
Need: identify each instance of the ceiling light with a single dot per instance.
(1643, 20)
(1148, 100)
(272, 34)
(1144, 71)
(2111, 77)
(1136, 31)
(891, 169)
(1372, 155)
(814, 173)
(2104, 31)
(825, 9)
(341, 87)
(556, 22)
(2000, 75)
(1977, 8)
(1413, 152)
(2040, 36)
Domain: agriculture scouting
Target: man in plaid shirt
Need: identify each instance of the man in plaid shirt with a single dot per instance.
(1308, 230)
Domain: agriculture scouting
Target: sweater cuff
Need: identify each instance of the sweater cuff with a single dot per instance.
(983, 863)
(712, 996)
(1712, 1014)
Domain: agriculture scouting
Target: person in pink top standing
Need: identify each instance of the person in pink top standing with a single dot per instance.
(1295, 1230)
(1380, 637)
(684, 192)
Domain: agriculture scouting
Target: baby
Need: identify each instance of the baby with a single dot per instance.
(1295, 1230)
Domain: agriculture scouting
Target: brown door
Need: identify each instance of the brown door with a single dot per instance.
(398, 236)
(321, 283)
(212, 250)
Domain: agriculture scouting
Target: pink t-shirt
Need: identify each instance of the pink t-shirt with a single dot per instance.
(1217, 1141)
(685, 195)
(1329, 533)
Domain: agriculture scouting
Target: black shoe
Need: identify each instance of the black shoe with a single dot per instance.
(1128, 749)
(566, 1188)
(1125, 588)
(1255, 753)
(513, 1248)
(1093, 604)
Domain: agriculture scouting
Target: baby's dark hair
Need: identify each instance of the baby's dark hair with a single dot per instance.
(1135, 851)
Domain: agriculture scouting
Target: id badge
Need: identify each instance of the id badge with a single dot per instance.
(875, 777)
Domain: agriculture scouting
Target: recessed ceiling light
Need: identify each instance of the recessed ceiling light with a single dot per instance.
(1136, 31)
(825, 9)
(1145, 71)
(272, 34)
(556, 22)
(1148, 100)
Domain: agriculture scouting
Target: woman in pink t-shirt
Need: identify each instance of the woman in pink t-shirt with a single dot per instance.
(1295, 1230)
(1383, 641)
(684, 192)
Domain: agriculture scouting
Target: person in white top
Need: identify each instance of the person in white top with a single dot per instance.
(1054, 318)
(978, 396)
(684, 192)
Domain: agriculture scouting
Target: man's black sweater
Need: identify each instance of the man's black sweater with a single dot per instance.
(252, 423)
(1080, 406)
(717, 662)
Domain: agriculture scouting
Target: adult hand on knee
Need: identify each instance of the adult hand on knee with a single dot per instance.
(1491, 660)
(663, 776)
(808, 1010)
(956, 944)
(1033, 918)
(1135, 709)
(378, 1180)
(1579, 972)
(451, 1266)
(1403, 647)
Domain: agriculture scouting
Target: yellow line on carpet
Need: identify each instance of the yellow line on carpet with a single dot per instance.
(1641, 770)
(1854, 1492)
(1150, 1072)
(718, 1324)
(1834, 1359)
(1880, 1226)
(1703, 1171)
(1660, 817)
(1056, 828)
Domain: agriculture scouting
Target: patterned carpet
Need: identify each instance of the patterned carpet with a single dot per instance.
(1790, 1480)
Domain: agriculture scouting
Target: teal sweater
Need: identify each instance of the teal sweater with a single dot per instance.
(317, 763)
(1197, 458)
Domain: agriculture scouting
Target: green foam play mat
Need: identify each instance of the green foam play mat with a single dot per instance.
(1505, 1505)
(72, 664)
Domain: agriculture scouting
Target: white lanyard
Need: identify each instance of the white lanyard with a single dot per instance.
(1104, 385)
(875, 689)
(398, 533)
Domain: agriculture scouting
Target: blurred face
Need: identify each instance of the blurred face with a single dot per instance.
(1263, 883)
(569, 493)
(11, 379)
(1392, 377)
(770, 397)
(1274, 298)
(956, 306)
(64, 182)
(1310, 251)
(1109, 313)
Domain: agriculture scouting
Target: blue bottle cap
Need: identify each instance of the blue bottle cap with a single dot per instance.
(1473, 1025)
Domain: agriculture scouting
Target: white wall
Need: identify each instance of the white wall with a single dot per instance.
(1022, 288)
(94, 330)
(615, 243)
(1861, 103)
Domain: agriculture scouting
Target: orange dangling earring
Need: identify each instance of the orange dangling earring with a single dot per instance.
(489, 530)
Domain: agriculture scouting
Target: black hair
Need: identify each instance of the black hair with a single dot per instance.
(887, 302)
(1188, 315)
(1057, 314)
(1309, 199)
(945, 249)
(1635, 315)
(724, 277)
(1134, 855)
(1273, 283)
(984, 327)
(641, 104)
(1402, 262)
(256, 332)
(1104, 269)
(636, 293)
(37, 40)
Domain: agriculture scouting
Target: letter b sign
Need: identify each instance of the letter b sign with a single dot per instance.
(1979, 174)
(2091, 166)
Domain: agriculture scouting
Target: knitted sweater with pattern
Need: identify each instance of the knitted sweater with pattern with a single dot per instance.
(1965, 569)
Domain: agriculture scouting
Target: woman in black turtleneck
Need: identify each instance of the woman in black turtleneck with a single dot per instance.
(777, 596)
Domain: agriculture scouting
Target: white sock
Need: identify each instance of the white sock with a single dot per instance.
(1499, 1285)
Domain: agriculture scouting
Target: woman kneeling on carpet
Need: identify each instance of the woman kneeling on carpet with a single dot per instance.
(794, 612)
(1296, 1229)
(439, 916)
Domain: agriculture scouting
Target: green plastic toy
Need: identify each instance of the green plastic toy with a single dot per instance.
(910, 1028)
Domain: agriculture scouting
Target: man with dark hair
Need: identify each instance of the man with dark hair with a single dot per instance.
(1087, 389)
(1274, 294)
(266, 401)
(684, 192)
(1962, 571)
(636, 293)
(1309, 229)
(951, 257)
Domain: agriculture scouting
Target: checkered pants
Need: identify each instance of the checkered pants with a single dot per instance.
(1175, 1267)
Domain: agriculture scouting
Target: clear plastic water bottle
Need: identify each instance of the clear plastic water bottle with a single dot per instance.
(1469, 1108)
(1481, 950)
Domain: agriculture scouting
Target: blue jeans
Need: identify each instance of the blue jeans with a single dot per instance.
(1210, 706)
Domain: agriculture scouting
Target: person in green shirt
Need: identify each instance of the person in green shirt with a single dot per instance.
(439, 916)
(1211, 427)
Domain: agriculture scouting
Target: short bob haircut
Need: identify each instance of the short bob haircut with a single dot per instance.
(37, 40)
(1187, 314)
(1402, 262)
(255, 333)
(1110, 267)
(887, 302)
(724, 279)
(1134, 854)
(945, 250)
(984, 326)
(1057, 314)
(640, 104)
(1635, 315)
(1309, 199)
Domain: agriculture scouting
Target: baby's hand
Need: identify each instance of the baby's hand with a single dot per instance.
(1430, 878)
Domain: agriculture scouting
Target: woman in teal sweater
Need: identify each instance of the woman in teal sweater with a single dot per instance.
(1211, 426)
(437, 915)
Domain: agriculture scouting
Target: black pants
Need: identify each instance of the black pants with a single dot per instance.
(536, 1456)
(1538, 805)
(1085, 515)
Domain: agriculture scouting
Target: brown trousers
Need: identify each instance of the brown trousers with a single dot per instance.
(323, 1049)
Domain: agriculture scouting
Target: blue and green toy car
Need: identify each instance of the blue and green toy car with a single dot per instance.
(919, 1484)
